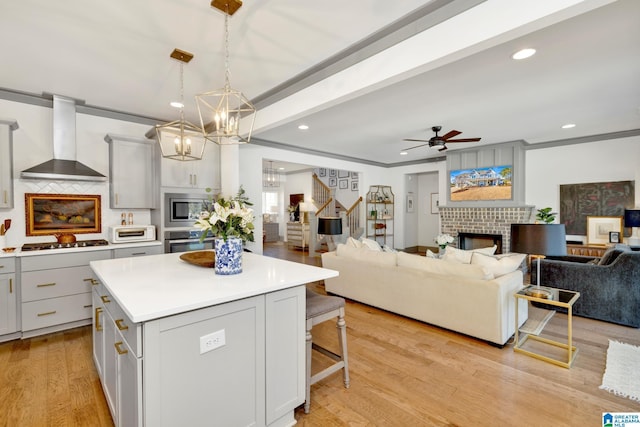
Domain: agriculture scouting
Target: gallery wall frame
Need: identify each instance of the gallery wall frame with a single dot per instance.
(343, 184)
(599, 229)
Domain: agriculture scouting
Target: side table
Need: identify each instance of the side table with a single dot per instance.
(560, 298)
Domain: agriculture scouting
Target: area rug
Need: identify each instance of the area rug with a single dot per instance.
(621, 375)
(536, 321)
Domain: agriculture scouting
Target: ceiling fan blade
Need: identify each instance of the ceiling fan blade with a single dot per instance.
(417, 146)
(417, 140)
(444, 147)
(450, 134)
(464, 140)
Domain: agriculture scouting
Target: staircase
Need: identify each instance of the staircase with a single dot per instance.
(324, 197)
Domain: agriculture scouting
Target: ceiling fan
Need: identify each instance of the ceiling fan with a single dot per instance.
(441, 140)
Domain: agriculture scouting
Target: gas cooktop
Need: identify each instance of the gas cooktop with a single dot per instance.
(55, 245)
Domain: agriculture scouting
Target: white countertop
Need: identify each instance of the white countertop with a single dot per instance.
(19, 253)
(156, 286)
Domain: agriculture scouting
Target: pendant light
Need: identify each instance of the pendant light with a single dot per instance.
(270, 177)
(180, 139)
(221, 110)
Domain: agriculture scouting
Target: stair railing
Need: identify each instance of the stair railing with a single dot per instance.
(353, 217)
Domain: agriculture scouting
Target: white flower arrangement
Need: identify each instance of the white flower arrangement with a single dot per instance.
(443, 240)
(227, 218)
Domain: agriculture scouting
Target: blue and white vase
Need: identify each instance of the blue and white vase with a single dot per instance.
(228, 256)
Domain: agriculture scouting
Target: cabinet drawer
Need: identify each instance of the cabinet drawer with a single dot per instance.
(55, 311)
(131, 332)
(42, 284)
(139, 251)
(7, 265)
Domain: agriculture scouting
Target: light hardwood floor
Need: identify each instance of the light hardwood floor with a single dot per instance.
(403, 373)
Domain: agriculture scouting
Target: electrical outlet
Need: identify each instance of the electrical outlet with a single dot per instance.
(212, 341)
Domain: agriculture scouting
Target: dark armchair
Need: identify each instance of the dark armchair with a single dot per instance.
(609, 287)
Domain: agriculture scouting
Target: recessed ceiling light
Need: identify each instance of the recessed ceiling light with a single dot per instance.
(303, 127)
(524, 53)
(280, 168)
(403, 153)
(568, 126)
(176, 104)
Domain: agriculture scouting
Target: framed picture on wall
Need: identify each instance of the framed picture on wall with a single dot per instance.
(600, 227)
(354, 185)
(343, 174)
(354, 175)
(332, 172)
(332, 181)
(344, 184)
(322, 172)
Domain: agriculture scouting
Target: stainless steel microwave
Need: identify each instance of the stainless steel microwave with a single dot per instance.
(183, 209)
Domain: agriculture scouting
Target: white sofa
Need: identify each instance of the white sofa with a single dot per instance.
(465, 298)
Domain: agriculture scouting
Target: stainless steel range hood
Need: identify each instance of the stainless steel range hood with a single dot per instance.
(64, 165)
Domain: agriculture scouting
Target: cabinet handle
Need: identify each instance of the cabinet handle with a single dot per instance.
(120, 324)
(98, 310)
(47, 313)
(138, 253)
(1, 266)
(93, 281)
(105, 299)
(119, 348)
(42, 285)
(10, 286)
(87, 306)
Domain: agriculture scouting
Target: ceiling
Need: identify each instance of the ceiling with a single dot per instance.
(301, 61)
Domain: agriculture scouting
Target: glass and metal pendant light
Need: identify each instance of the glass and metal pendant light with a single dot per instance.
(222, 110)
(180, 139)
(270, 177)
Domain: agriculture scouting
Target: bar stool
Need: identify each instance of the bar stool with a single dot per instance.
(319, 309)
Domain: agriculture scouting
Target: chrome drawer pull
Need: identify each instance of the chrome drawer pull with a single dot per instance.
(42, 285)
(119, 348)
(47, 313)
(120, 324)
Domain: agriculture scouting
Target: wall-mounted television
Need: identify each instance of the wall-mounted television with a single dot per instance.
(492, 183)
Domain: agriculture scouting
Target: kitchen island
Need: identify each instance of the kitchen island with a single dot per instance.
(175, 344)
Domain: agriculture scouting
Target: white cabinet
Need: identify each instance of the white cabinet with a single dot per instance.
(132, 175)
(138, 251)
(6, 162)
(199, 174)
(56, 291)
(298, 234)
(8, 300)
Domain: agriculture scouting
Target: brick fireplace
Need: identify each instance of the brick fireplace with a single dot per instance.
(484, 221)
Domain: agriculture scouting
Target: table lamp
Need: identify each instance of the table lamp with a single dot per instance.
(632, 219)
(539, 240)
(330, 226)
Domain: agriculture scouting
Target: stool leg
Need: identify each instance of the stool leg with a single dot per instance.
(307, 397)
(342, 337)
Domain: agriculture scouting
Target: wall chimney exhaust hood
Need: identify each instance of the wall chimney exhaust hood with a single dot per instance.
(64, 165)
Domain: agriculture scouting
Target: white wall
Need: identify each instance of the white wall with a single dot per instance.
(428, 223)
(603, 161)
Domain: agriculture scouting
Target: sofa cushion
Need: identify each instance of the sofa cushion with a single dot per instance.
(611, 254)
(452, 254)
(438, 266)
(364, 254)
(372, 245)
(354, 243)
(501, 265)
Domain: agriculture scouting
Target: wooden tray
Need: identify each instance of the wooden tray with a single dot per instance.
(199, 258)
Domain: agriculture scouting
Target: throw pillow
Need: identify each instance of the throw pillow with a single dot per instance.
(452, 254)
(387, 248)
(353, 242)
(371, 244)
(610, 255)
(498, 266)
(437, 266)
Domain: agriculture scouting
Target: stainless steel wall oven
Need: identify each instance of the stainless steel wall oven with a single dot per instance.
(186, 240)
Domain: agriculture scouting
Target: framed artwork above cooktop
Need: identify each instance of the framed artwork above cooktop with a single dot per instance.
(49, 214)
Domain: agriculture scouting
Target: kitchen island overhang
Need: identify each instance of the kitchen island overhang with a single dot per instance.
(156, 286)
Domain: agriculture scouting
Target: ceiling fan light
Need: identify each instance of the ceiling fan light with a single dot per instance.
(524, 54)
